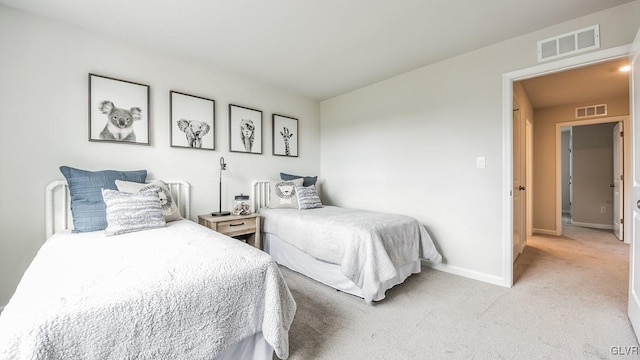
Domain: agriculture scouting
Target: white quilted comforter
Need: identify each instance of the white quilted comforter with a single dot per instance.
(368, 246)
(180, 292)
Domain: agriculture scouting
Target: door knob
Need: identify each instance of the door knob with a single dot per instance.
(638, 204)
(611, 186)
(521, 188)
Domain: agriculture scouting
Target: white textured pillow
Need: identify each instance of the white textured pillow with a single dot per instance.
(170, 209)
(127, 212)
(282, 194)
(308, 197)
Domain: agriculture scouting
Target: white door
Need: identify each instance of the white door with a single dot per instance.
(617, 183)
(634, 258)
(518, 181)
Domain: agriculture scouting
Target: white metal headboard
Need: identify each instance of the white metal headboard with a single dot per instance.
(259, 194)
(58, 204)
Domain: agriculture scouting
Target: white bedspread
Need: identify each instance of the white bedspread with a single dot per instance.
(180, 292)
(368, 246)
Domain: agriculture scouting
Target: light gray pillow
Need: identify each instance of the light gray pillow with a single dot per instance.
(308, 197)
(170, 209)
(127, 212)
(282, 193)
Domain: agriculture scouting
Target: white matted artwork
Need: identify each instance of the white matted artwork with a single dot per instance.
(285, 136)
(245, 129)
(118, 110)
(192, 121)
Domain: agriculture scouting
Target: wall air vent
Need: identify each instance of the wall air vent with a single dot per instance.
(569, 43)
(591, 111)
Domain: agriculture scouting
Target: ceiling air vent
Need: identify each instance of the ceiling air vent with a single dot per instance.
(591, 111)
(569, 43)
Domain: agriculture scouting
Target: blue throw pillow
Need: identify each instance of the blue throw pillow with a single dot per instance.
(85, 187)
(306, 180)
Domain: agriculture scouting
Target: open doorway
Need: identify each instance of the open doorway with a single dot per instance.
(592, 187)
(553, 101)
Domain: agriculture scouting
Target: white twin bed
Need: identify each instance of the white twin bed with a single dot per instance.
(177, 292)
(359, 252)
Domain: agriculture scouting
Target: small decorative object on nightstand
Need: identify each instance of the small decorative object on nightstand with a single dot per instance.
(235, 226)
(241, 205)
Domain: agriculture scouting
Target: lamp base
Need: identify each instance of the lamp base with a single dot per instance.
(221, 213)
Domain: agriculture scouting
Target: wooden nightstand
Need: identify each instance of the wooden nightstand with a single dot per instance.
(235, 226)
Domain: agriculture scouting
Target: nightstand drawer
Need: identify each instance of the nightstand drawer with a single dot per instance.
(245, 226)
(237, 227)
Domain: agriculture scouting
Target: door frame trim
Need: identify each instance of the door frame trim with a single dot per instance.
(528, 124)
(507, 136)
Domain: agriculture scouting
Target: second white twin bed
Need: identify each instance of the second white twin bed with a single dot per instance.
(362, 253)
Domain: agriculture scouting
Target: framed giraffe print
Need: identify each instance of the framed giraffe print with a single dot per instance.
(245, 129)
(285, 136)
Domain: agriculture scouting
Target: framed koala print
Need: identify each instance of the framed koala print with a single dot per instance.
(118, 110)
(192, 121)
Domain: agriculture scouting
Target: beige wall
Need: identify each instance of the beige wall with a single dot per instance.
(544, 153)
(592, 173)
(409, 144)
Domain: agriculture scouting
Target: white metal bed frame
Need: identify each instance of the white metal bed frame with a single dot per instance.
(259, 194)
(58, 204)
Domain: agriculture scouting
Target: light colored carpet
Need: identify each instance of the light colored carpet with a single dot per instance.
(569, 302)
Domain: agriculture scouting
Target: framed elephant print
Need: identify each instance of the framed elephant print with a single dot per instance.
(192, 121)
(118, 110)
(285, 136)
(245, 130)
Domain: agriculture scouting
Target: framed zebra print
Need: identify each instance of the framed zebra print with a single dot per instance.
(285, 136)
(245, 129)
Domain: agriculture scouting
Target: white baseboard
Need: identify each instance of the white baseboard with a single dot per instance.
(544, 232)
(475, 275)
(594, 226)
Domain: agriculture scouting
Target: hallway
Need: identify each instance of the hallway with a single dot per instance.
(584, 276)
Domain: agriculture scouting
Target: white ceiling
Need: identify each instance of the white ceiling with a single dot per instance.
(321, 48)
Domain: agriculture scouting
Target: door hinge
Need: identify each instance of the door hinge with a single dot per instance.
(621, 133)
(621, 176)
(621, 221)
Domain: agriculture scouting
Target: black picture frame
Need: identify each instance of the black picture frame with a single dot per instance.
(245, 129)
(192, 121)
(118, 111)
(284, 131)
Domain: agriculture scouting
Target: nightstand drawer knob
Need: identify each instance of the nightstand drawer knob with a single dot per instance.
(236, 224)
